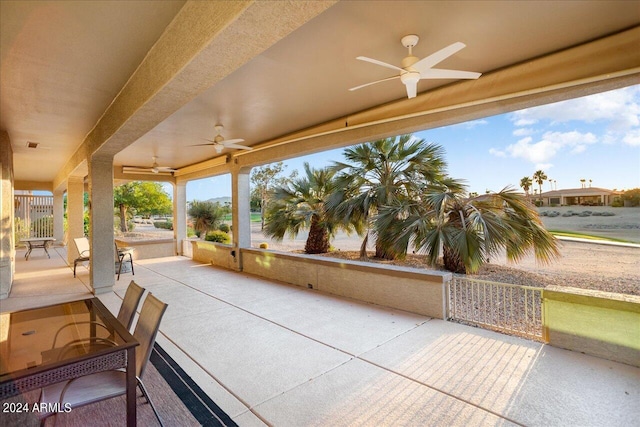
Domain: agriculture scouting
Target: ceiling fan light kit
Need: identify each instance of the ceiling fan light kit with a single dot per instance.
(415, 69)
(219, 143)
(155, 169)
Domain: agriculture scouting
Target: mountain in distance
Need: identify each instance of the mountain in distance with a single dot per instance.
(221, 200)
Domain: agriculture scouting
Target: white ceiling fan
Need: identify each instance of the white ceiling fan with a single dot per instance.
(414, 69)
(153, 169)
(219, 143)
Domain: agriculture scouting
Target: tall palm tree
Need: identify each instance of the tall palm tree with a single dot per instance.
(382, 173)
(469, 230)
(300, 204)
(539, 177)
(526, 184)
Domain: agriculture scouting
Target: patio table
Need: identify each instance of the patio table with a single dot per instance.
(38, 242)
(34, 354)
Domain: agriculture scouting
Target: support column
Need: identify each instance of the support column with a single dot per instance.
(7, 244)
(101, 214)
(240, 213)
(75, 214)
(58, 215)
(180, 215)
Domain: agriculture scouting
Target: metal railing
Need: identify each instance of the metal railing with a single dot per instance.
(34, 216)
(512, 309)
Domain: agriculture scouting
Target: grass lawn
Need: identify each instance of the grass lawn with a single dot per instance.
(255, 217)
(563, 233)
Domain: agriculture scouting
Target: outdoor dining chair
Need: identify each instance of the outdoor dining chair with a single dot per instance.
(84, 252)
(108, 384)
(126, 314)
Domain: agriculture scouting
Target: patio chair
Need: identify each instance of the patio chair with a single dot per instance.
(84, 252)
(121, 254)
(105, 385)
(125, 316)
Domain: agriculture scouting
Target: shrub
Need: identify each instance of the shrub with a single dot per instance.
(166, 225)
(218, 237)
(224, 227)
(264, 245)
(617, 202)
(191, 232)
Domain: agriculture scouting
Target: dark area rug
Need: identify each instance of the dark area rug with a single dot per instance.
(178, 399)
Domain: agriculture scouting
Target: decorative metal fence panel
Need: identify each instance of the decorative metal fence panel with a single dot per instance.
(512, 309)
(33, 216)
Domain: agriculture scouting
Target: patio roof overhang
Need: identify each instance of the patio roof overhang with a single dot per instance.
(139, 79)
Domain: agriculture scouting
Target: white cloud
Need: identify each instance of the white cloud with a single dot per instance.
(523, 132)
(620, 108)
(542, 151)
(497, 153)
(472, 124)
(632, 138)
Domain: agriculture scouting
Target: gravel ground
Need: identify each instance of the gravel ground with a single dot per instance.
(581, 265)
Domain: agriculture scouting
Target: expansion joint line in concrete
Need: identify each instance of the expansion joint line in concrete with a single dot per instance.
(353, 356)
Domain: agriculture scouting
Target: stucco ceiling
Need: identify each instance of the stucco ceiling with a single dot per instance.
(64, 62)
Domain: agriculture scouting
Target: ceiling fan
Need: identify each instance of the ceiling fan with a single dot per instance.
(154, 169)
(219, 143)
(414, 69)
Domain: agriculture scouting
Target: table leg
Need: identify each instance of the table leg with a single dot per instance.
(46, 247)
(28, 251)
(131, 387)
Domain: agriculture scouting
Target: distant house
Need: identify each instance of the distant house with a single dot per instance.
(590, 196)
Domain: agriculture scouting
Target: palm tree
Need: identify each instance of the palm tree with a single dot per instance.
(382, 173)
(526, 183)
(469, 230)
(206, 215)
(539, 177)
(582, 181)
(300, 204)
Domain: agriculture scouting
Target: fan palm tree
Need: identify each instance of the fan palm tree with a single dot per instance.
(469, 230)
(206, 215)
(539, 177)
(380, 173)
(526, 184)
(300, 204)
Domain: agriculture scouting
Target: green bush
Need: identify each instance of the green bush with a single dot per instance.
(224, 227)
(191, 232)
(617, 202)
(166, 225)
(218, 237)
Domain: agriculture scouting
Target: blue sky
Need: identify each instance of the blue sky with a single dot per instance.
(595, 137)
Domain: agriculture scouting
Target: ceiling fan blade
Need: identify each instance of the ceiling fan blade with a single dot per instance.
(240, 147)
(372, 83)
(375, 61)
(426, 63)
(437, 73)
(412, 89)
(202, 145)
(227, 142)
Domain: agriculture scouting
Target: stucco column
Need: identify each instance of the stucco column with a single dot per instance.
(7, 245)
(240, 213)
(101, 232)
(180, 214)
(75, 214)
(58, 215)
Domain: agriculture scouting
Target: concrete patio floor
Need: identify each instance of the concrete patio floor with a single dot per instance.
(272, 354)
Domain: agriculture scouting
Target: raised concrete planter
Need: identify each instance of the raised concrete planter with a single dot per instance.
(146, 249)
(408, 289)
(601, 324)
